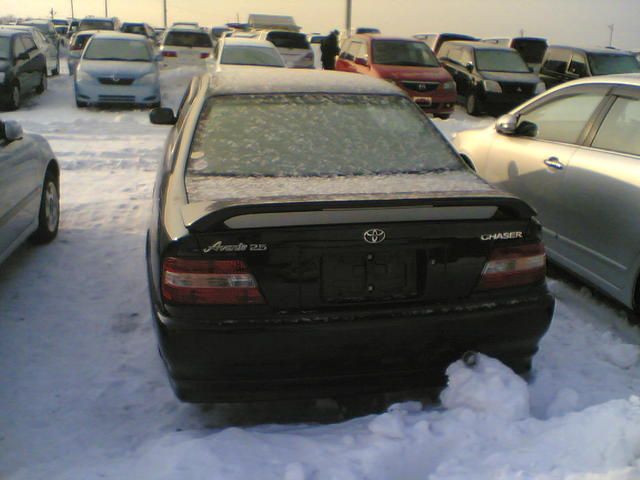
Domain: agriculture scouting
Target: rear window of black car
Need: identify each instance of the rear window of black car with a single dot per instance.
(316, 135)
(288, 40)
(531, 51)
(188, 39)
(607, 64)
(96, 25)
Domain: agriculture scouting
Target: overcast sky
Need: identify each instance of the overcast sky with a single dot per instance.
(583, 22)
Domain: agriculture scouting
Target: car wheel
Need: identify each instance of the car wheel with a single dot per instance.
(43, 82)
(473, 107)
(56, 70)
(15, 98)
(49, 214)
(80, 103)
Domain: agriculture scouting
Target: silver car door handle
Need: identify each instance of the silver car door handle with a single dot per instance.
(553, 162)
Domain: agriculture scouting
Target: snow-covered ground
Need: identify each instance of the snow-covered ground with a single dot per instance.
(84, 394)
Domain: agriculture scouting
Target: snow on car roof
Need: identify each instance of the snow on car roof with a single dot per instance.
(278, 80)
(247, 41)
(118, 35)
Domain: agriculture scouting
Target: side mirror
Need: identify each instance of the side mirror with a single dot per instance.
(162, 116)
(527, 129)
(506, 124)
(469, 67)
(12, 130)
(362, 61)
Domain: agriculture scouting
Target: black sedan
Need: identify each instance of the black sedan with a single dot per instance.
(23, 67)
(313, 234)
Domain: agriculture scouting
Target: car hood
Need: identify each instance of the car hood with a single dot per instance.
(510, 77)
(97, 68)
(430, 74)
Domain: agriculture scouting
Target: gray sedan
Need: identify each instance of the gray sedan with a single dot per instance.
(117, 68)
(29, 189)
(573, 153)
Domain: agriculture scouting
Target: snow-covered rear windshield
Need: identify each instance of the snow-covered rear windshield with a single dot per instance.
(316, 135)
(117, 50)
(500, 61)
(604, 64)
(5, 48)
(188, 39)
(248, 55)
(95, 25)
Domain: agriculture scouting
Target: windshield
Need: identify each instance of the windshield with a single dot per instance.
(80, 41)
(288, 40)
(403, 53)
(316, 135)
(188, 39)
(117, 50)
(500, 61)
(95, 25)
(5, 48)
(137, 29)
(606, 64)
(61, 29)
(246, 55)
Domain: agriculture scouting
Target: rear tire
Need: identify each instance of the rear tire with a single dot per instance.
(473, 105)
(15, 97)
(43, 83)
(49, 214)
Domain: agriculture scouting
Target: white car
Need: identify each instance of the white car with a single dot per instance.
(293, 47)
(183, 46)
(248, 51)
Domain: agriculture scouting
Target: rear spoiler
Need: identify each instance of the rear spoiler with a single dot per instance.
(319, 209)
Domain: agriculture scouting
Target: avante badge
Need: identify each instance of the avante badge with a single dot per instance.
(375, 235)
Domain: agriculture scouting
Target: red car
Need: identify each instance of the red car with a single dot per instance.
(407, 62)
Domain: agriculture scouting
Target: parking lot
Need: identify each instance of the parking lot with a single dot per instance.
(84, 393)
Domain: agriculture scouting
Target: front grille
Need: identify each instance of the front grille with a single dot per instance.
(517, 88)
(420, 86)
(115, 81)
(117, 98)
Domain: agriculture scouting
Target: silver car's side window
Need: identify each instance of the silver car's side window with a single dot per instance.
(561, 120)
(620, 130)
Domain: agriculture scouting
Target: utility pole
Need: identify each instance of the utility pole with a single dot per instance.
(164, 9)
(611, 27)
(72, 15)
(106, 9)
(52, 13)
(348, 23)
(522, 32)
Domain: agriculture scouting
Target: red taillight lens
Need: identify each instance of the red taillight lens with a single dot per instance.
(168, 53)
(204, 55)
(75, 47)
(212, 282)
(514, 266)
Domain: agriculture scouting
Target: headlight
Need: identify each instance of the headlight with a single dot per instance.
(82, 76)
(2, 75)
(491, 86)
(450, 85)
(540, 87)
(148, 79)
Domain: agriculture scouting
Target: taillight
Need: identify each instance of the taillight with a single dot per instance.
(168, 53)
(204, 55)
(75, 47)
(205, 281)
(514, 266)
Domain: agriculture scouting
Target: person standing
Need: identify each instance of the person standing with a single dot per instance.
(329, 48)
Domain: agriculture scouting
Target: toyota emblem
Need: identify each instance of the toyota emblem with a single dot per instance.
(375, 235)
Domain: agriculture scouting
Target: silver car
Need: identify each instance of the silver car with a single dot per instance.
(117, 68)
(573, 153)
(29, 189)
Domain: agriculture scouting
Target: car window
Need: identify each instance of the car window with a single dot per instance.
(117, 50)
(403, 53)
(345, 50)
(18, 47)
(188, 39)
(562, 119)
(500, 61)
(578, 65)
(41, 41)
(607, 64)
(619, 131)
(28, 43)
(557, 61)
(288, 40)
(250, 55)
(95, 25)
(5, 48)
(531, 50)
(308, 135)
(137, 29)
(359, 50)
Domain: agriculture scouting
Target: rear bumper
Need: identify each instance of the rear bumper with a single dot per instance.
(345, 353)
